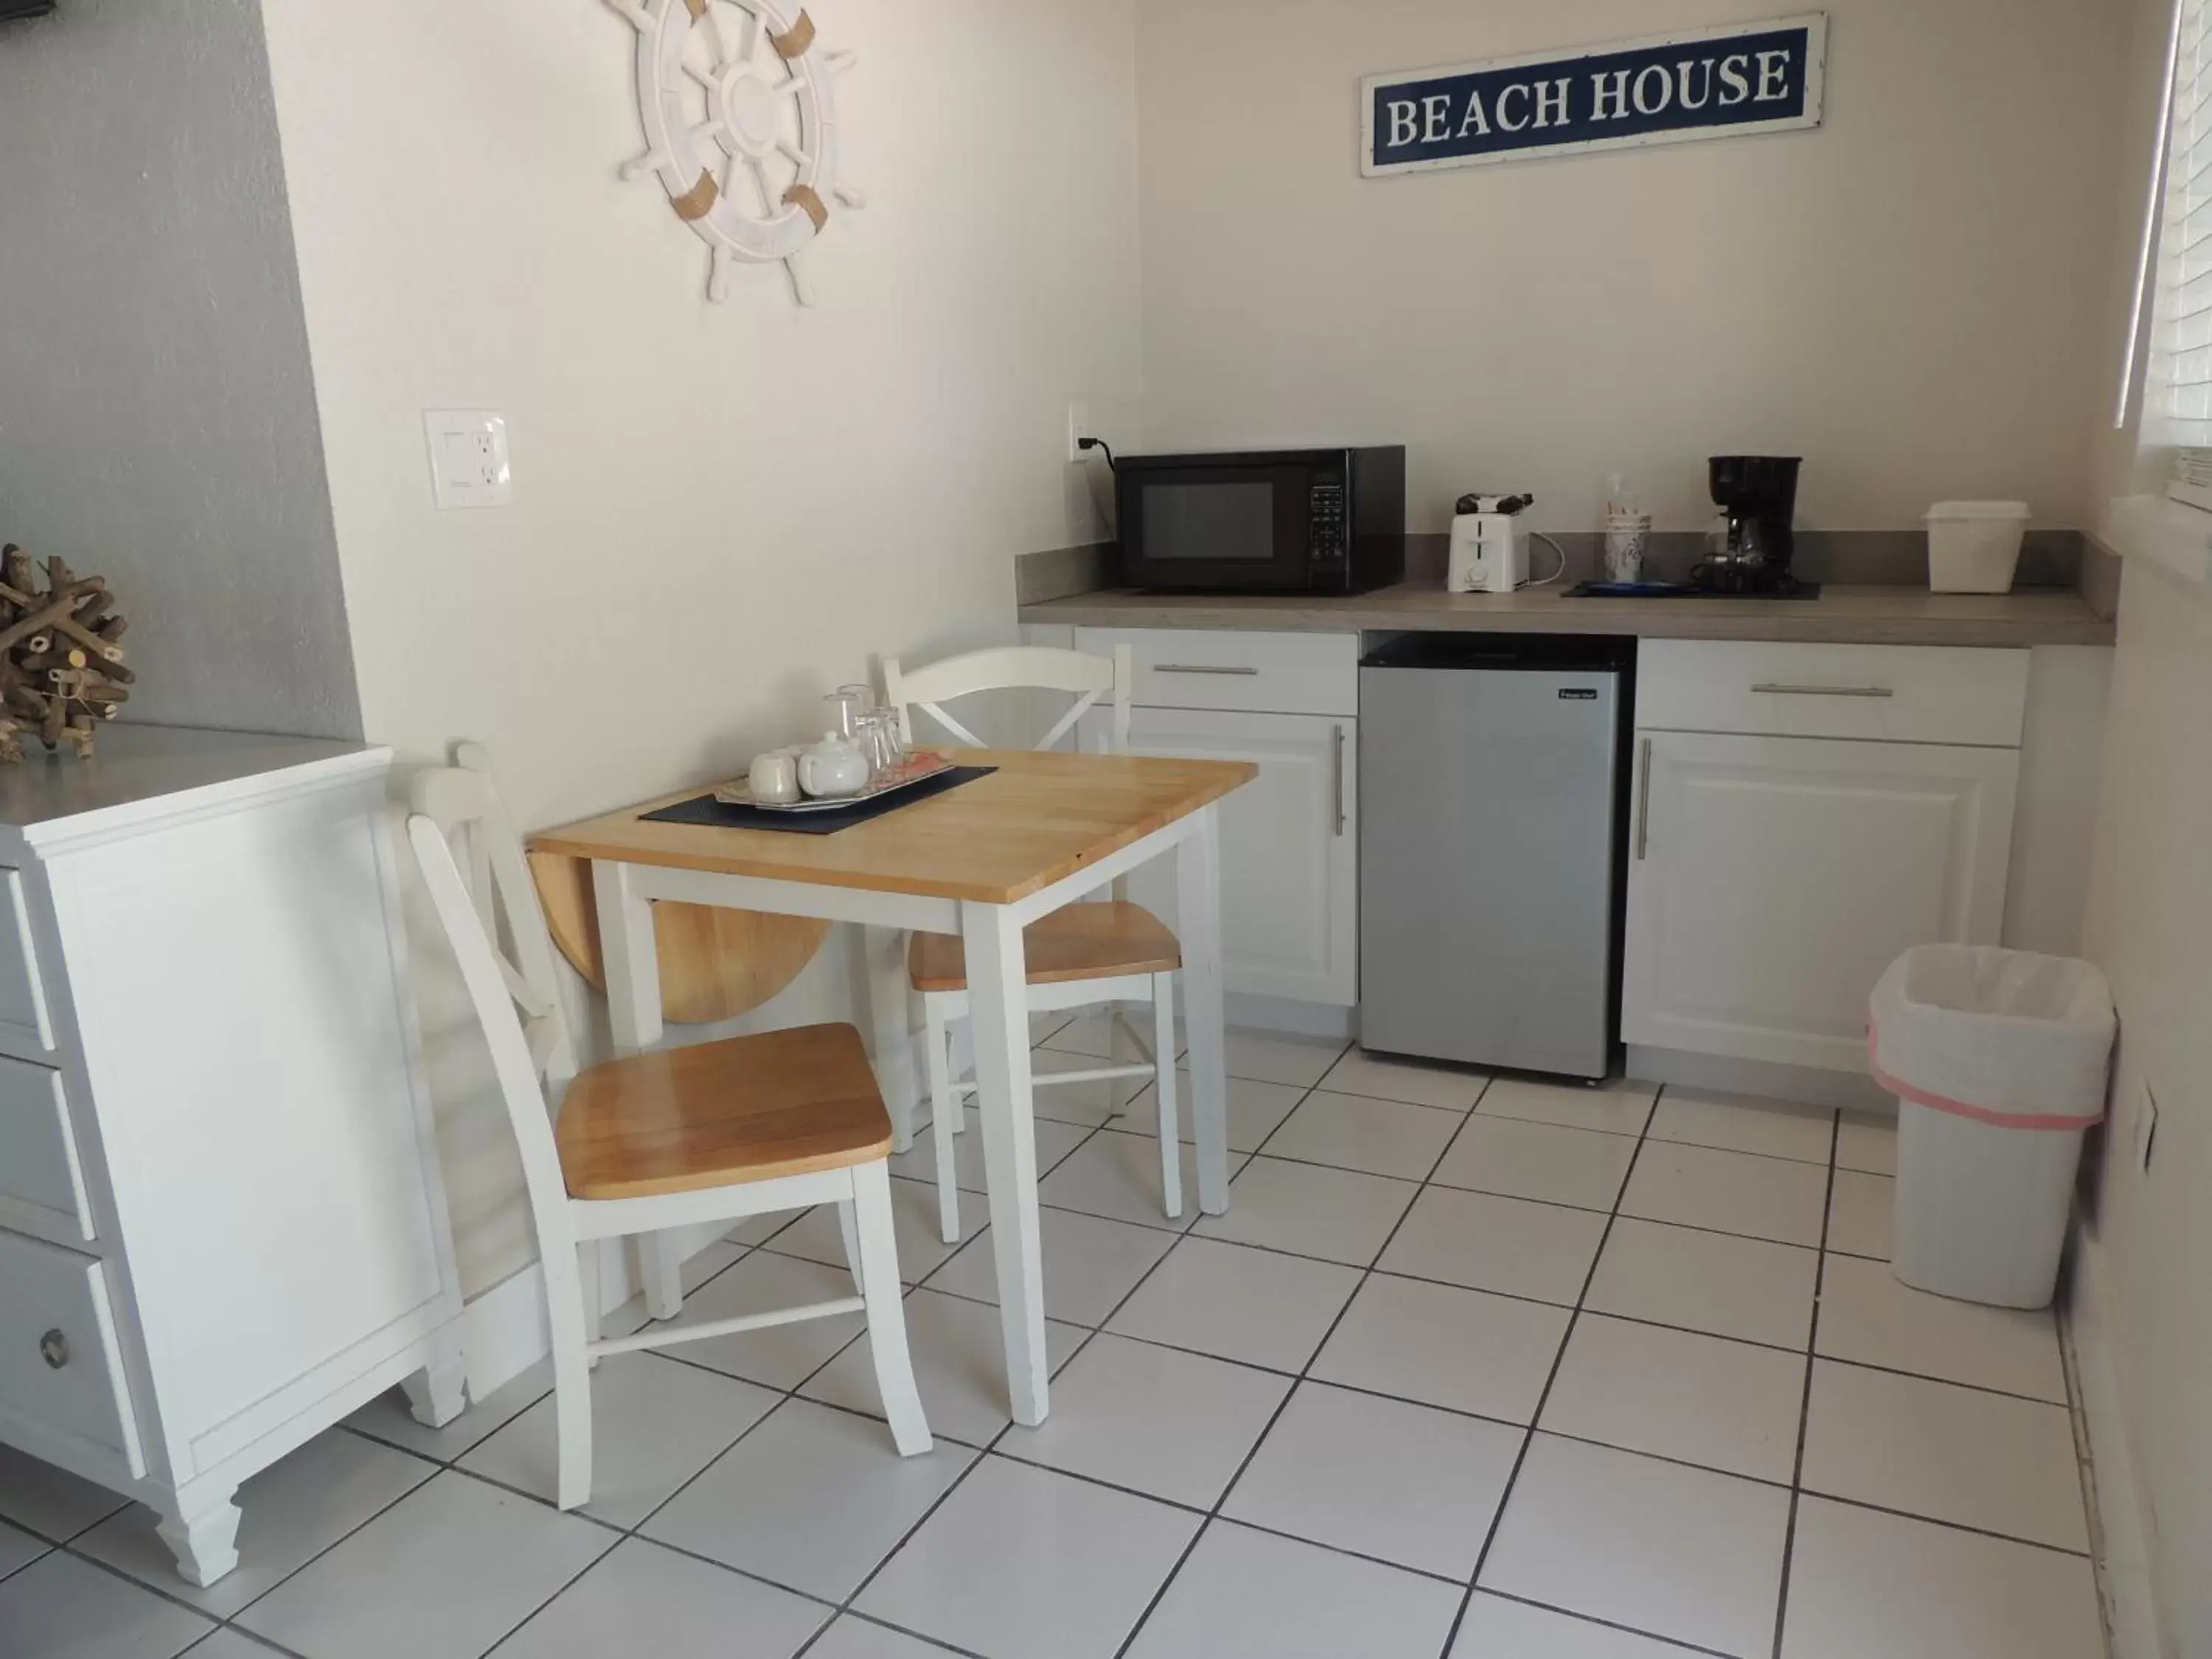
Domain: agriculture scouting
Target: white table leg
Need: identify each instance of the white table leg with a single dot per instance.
(999, 1010)
(891, 1039)
(631, 960)
(1198, 924)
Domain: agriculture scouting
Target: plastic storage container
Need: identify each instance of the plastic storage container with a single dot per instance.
(1997, 1059)
(1973, 547)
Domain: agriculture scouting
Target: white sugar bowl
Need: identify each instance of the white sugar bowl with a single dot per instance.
(833, 767)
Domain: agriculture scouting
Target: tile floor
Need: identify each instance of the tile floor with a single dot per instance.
(1472, 1370)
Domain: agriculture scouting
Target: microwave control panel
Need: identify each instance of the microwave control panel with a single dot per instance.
(1327, 507)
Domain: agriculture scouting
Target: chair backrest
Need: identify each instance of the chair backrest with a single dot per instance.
(1014, 668)
(517, 997)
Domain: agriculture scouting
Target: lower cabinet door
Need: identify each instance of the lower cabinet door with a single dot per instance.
(1772, 880)
(1289, 866)
(62, 1387)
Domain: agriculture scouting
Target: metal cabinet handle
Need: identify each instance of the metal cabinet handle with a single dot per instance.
(1336, 765)
(1201, 668)
(1824, 691)
(1643, 805)
(53, 1348)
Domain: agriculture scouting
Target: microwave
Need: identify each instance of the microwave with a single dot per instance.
(1263, 522)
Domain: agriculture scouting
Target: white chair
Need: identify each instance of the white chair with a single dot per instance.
(1112, 951)
(710, 1133)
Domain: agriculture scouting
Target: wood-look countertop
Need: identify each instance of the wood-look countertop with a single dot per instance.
(1895, 615)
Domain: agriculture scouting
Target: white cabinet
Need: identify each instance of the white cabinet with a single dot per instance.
(1772, 879)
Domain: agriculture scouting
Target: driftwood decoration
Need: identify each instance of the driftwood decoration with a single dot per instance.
(60, 662)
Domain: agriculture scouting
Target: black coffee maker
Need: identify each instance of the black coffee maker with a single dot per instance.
(1758, 495)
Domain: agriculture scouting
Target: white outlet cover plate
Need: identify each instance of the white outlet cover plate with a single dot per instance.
(1078, 428)
(469, 462)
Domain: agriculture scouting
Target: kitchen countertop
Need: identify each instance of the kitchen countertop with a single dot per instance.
(1891, 615)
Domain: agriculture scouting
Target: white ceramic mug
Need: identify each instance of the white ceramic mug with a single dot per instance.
(774, 778)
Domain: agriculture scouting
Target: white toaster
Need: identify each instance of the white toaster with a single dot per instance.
(1489, 553)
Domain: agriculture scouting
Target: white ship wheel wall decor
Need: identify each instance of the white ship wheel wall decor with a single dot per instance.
(740, 117)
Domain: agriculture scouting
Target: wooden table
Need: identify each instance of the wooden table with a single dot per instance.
(981, 862)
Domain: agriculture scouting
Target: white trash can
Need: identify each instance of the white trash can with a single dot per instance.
(1998, 1060)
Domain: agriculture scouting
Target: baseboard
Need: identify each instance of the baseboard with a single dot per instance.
(1242, 1010)
(1807, 1084)
(2119, 1512)
(504, 1331)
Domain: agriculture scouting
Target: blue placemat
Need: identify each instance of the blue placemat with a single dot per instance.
(705, 809)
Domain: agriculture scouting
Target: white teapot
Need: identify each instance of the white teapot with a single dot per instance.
(833, 767)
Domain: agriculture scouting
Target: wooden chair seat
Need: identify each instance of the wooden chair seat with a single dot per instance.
(748, 1109)
(1084, 941)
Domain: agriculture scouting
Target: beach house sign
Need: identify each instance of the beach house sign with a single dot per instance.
(1746, 77)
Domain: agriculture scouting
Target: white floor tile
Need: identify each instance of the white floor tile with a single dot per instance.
(1382, 1137)
(813, 1498)
(1867, 1142)
(1743, 1123)
(1401, 1482)
(1254, 1110)
(959, 1364)
(60, 1608)
(1172, 1424)
(1339, 1215)
(1042, 1026)
(1442, 1345)
(1090, 1265)
(1236, 1302)
(50, 1501)
(1727, 1192)
(1267, 1057)
(475, 1561)
(1619, 1107)
(1021, 1561)
(1086, 1105)
(1360, 1073)
(1866, 1315)
(1117, 1175)
(387, 1418)
(853, 1637)
(921, 1249)
(1245, 1592)
(1509, 1245)
(759, 1229)
(1741, 1287)
(1863, 1583)
(18, 1548)
(1702, 1400)
(1540, 1160)
(1054, 1140)
(634, 1317)
(1495, 1628)
(782, 1356)
(643, 1599)
(1091, 1035)
(293, 1511)
(1945, 1453)
(232, 1643)
(655, 1423)
(1676, 1551)
(1858, 1215)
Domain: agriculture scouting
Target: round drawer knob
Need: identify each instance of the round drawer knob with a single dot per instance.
(53, 1348)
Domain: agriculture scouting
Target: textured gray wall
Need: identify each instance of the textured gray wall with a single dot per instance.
(157, 409)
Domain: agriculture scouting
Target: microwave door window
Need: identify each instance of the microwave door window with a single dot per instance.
(1232, 522)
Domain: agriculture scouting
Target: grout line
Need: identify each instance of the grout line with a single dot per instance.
(1805, 1397)
(1675, 1641)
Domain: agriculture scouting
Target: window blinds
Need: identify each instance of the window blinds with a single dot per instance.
(2181, 338)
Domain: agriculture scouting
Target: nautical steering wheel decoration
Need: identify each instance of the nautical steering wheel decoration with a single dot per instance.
(743, 139)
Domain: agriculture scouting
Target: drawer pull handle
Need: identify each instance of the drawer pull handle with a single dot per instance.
(1643, 805)
(1824, 691)
(1201, 668)
(1336, 769)
(53, 1348)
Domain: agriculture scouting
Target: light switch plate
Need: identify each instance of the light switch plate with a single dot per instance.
(469, 464)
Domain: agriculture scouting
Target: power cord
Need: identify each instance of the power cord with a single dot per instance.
(1538, 536)
(1100, 444)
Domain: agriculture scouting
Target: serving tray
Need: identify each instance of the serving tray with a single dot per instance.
(918, 768)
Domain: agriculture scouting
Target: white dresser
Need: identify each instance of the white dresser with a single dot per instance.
(221, 1227)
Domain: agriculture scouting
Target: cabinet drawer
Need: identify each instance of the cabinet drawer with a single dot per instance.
(1261, 674)
(41, 1179)
(23, 1015)
(60, 1368)
(1886, 693)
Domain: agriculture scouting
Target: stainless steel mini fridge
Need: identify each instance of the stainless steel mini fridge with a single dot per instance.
(1491, 784)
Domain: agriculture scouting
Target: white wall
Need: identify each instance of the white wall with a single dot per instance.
(157, 417)
(721, 511)
(1899, 296)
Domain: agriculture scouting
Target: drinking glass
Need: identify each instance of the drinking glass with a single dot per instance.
(847, 704)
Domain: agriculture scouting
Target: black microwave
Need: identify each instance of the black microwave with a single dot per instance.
(1264, 522)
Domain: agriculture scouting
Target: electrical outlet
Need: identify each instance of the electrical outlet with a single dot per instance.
(469, 464)
(2147, 1129)
(1078, 428)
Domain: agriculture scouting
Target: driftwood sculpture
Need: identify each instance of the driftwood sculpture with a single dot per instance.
(61, 664)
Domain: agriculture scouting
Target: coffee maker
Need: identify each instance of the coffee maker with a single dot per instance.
(1757, 498)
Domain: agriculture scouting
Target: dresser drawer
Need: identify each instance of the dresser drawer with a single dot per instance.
(61, 1368)
(41, 1179)
(1259, 673)
(23, 1015)
(1886, 693)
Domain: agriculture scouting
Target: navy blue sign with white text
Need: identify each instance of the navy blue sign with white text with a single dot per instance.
(1748, 78)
